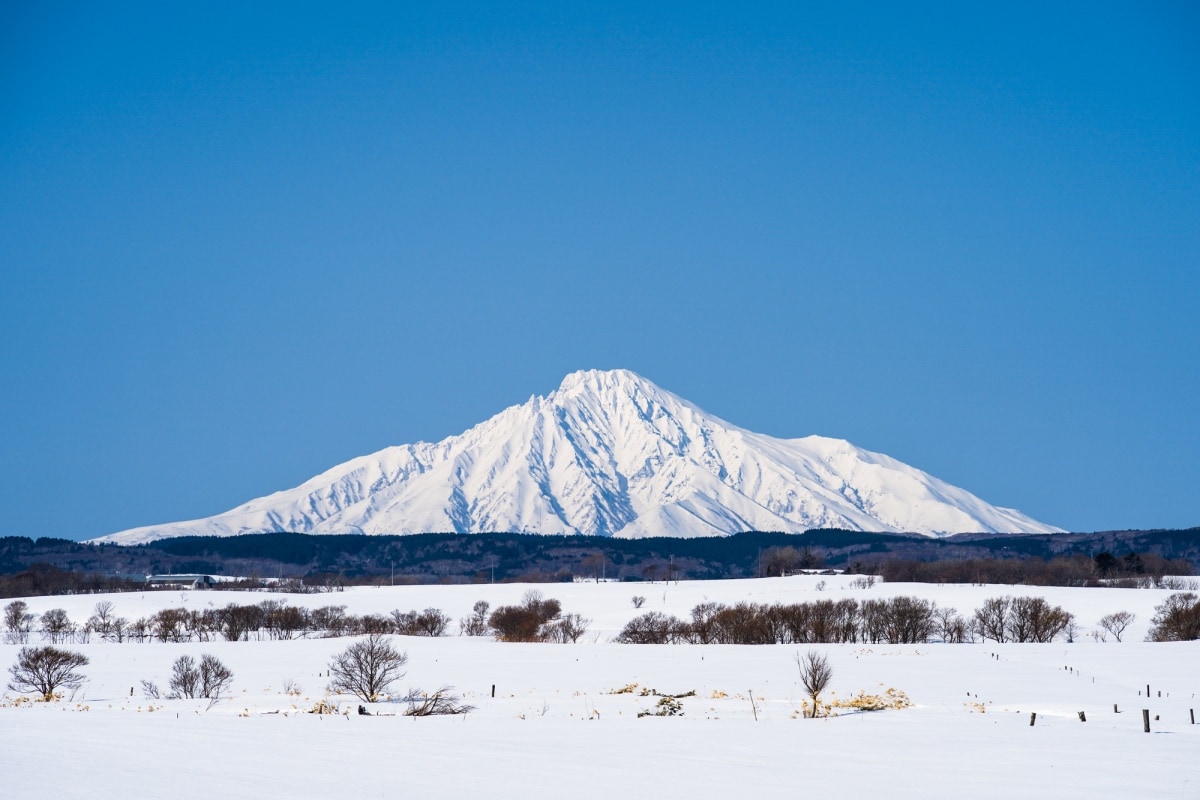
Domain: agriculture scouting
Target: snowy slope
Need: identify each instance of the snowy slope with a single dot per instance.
(609, 453)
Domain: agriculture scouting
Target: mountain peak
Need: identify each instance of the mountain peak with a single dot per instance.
(610, 453)
(602, 380)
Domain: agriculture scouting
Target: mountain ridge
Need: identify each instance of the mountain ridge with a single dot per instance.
(610, 453)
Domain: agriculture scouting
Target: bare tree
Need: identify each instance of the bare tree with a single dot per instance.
(238, 622)
(1032, 619)
(477, 623)
(1176, 619)
(18, 622)
(991, 619)
(1116, 622)
(815, 674)
(367, 668)
(57, 626)
(433, 622)
(170, 625)
(106, 624)
(45, 670)
(208, 679)
(568, 628)
(215, 677)
(185, 678)
(653, 627)
(952, 627)
(330, 619)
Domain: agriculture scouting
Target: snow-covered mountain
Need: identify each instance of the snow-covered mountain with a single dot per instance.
(611, 454)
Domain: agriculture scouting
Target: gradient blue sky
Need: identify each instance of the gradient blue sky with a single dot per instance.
(243, 242)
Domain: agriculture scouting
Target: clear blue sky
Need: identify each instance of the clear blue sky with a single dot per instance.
(243, 242)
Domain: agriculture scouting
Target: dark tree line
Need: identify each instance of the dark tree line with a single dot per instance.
(1132, 570)
(41, 567)
(535, 619)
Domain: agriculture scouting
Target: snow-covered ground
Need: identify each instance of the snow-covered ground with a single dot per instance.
(555, 727)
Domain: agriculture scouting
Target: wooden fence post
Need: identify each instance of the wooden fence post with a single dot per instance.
(1032, 718)
(1146, 719)
(1082, 717)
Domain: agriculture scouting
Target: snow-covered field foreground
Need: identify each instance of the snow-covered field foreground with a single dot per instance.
(555, 727)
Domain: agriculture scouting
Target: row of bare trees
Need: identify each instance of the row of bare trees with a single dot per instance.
(1134, 570)
(535, 619)
(897, 620)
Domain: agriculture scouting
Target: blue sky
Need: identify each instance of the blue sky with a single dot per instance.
(241, 243)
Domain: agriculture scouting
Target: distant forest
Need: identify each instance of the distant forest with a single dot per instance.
(54, 566)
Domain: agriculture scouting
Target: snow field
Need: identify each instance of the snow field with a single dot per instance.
(555, 726)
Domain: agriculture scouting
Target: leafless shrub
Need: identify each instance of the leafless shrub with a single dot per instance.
(215, 677)
(742, 623)
(1176, 619)
(1033, 619)
(185, 678)
(106, 624)
(908, 620)
(815, 674)
(1176, 583)
(18, 622)
(236, 622)
(526, 622)
(330, 619)
(150, 690)
(991, 619)
(430, 622)
(1116, 623)
(170, 625)
(568, 628)
(369, 624)
(139, 629)
(281, 620)
(702, 629)
(476, 624)
(638, 601)
(430, 704)
(367, 668)
(952, 628)
(45, 670)
(653, 627)
(57, 627)
(291, 687)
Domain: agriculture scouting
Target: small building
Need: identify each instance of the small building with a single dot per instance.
(182, 580)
